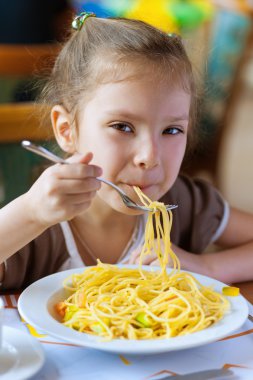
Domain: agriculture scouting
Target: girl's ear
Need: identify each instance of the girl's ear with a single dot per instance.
(63, 129)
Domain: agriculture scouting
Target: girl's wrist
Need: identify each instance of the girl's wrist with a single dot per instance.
(32, 214)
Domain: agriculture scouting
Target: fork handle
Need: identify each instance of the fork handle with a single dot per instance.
(58, 160)
(42, 152)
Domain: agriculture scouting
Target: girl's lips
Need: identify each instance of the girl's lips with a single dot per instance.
(130, 185)
(144, 188)
(151, 191)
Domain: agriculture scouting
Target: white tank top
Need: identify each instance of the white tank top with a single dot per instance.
(75, 260)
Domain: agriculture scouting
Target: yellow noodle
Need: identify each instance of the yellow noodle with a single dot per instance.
(126, 303)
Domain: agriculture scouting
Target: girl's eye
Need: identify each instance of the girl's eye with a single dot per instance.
(123, 127)
(172, 131)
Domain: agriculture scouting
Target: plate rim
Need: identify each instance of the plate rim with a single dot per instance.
(59, 331)
(10, 335)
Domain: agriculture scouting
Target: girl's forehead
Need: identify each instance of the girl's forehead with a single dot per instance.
(143, 86)
(139, 98)
(131, 83)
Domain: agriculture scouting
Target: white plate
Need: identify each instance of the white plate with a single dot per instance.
(21, 355)
(36, 305)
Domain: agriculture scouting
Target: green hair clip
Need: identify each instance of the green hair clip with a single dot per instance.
(174, 35)
(78, 21)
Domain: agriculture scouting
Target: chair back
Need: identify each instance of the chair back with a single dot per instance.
(20, 121)
(26, 60)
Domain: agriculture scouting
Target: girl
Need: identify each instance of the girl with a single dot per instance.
(123, 104)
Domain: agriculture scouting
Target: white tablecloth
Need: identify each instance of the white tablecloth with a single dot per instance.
(64, 361)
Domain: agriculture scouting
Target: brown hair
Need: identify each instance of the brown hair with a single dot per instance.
(104, 49)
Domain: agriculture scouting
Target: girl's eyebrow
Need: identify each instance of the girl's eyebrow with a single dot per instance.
(128, 115)
(184, 117)
(124, 115)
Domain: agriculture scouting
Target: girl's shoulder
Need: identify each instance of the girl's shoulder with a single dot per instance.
(186, 190)
(201, 215)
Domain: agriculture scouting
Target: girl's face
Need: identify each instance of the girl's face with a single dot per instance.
(137, 131)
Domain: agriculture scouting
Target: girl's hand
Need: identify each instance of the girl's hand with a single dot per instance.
(152, 259)
(64, 191)
(147, 259)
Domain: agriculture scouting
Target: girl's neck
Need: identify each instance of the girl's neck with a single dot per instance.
(103, 235)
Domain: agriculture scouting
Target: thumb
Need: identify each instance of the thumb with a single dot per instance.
(80, 158)
(86, 159)
(155, 263)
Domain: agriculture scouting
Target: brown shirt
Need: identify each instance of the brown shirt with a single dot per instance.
(196, 221)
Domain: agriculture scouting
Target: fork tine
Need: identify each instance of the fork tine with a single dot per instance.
(131, 204)
(171, 207)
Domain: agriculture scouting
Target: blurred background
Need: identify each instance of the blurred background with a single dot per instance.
(218, 36)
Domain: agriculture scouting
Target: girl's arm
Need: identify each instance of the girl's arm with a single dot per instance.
(234, 263)
(17, 228)
(60, 193)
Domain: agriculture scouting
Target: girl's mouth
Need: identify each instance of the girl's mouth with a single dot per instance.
(147, 188)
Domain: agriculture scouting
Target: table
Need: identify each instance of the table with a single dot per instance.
(65, 361)
(246, 289)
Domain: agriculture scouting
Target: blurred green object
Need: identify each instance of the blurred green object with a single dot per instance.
(190, 14)
(19, 169)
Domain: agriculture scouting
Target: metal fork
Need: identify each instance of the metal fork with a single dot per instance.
(52, 157)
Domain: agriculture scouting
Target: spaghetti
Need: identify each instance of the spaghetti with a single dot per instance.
(117, 302)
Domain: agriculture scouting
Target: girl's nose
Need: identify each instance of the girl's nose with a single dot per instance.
(147, 154)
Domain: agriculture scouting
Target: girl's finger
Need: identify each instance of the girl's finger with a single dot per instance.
(80, 158)
(75, 171)
(155, 263)
(76, 186)
(80, 198)
(148, 259)
(69, 200)
(85, 159)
